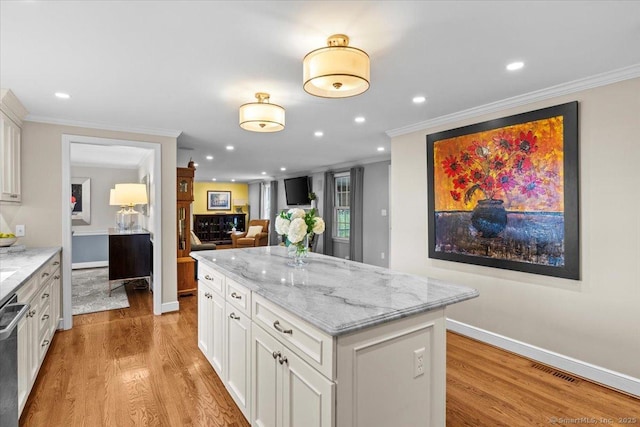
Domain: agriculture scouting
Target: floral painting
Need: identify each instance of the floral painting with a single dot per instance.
(504, 193)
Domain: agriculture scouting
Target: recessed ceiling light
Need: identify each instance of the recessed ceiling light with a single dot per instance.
(515, 66)
(230, 147)
(380, 148)
(283, 169)
(359, 119)
(264, 173)
(318, 133)
(233, 180)
(62, 95)
(214, 179)
(196, 165)
(419, 99)
(209, 157)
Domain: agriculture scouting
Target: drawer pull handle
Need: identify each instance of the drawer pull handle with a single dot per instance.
(283, 360)
(234, 317)
(14, 196)
(45, 296)
(276, 354)
(207, 294)
(206, 276)
(45, 317)
(236, 296)
(276, 325)
(56, 277)
(45, 343)
(56, 263)
(45, 274)
(31, 313)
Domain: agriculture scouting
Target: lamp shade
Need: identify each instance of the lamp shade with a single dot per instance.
(131, 194)
(336, 71)
(114, 200)
(239, 202)
(261, 116)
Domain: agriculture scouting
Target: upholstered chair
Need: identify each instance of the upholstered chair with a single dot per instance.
(257, 234)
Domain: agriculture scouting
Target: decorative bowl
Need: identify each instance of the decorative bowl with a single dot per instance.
(7, 241)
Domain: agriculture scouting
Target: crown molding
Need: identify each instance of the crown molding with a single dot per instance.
(91, 125)
(603, 79)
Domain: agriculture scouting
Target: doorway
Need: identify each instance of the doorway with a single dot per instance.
(148, 169)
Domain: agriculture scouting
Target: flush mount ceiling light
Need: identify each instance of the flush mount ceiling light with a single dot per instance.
(336, 71)
(262, 116)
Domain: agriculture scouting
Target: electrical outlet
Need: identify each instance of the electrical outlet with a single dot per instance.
(19, 230)
(381, 255)
(383, 212)
(418, 362)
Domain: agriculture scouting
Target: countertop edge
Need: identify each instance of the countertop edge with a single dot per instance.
(54, 250)
(349, 328)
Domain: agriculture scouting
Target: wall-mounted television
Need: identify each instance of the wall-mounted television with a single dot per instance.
(297, 190)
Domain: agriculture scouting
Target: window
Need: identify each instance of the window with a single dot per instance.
(342, 211)
(266, 200)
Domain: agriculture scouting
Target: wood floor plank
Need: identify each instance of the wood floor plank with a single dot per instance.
(128, 367)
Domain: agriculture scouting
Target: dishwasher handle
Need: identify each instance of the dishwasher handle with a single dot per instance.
(18, 310)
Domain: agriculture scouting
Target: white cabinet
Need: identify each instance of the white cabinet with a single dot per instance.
(287, 391)
(36, 329)
(238, 357)
(211, 326)
(11, 114)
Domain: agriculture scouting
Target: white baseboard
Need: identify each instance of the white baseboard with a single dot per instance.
(168, 307)
(93, 264)
(586, 370)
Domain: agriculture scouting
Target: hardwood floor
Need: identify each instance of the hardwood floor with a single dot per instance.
(487, 386)
(130, 368)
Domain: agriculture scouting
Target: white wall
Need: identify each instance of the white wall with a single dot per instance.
(596, 319)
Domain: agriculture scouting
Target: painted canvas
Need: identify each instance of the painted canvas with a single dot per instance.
(504, 193)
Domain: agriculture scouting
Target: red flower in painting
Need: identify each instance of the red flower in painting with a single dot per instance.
(527, 142)
(522, 164)
(461, 182)
(495, 167)
(451, 166)
(477, 175)
(532, 186)
(466, 158)
(506, 181)
(73, 199)
(498, 163)
(504, 141)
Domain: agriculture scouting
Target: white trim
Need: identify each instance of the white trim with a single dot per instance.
(90, 233)
(598, 374)
(603, 79)
(92, 264)
(168, 307)
(67, 139)
(92, 125)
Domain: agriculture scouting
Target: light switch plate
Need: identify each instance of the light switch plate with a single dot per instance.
(19, 230)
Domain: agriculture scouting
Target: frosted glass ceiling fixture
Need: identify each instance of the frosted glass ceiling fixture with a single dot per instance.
(336, 71)
(262, 116)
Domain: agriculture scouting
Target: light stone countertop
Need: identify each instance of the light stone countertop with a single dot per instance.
(25, 264)
(336, 295)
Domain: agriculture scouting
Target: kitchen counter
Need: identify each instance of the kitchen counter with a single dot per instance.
(335, 295)
(23, 265)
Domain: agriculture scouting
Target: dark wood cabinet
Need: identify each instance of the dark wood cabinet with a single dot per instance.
(216, 228)
(129, 255)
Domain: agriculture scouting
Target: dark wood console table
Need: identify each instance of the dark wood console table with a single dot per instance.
(129, 256)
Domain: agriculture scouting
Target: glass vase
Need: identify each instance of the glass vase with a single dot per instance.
(298, 252)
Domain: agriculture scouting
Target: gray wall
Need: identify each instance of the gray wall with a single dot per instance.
(90, 249)
(254, 201)
(375, 199)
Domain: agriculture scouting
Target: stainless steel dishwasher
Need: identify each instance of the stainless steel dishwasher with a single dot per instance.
(10, 314)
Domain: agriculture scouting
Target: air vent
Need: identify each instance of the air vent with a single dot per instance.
(558, 374)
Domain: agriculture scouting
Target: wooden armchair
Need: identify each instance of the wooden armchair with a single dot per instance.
(253, 236)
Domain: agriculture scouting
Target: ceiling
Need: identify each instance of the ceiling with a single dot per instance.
(187, 66)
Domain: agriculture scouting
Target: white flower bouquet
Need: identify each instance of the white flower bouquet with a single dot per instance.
(297, 226)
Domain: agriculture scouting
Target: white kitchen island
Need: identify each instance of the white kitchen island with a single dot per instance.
(334, 343)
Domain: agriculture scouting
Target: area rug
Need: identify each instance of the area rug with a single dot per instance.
(90, 291)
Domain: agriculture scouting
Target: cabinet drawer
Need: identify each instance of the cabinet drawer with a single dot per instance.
(53, 264)
(29, 289)
(212, 277)
(43, 347)
(311, 344)
(239, 296)
(44, 320)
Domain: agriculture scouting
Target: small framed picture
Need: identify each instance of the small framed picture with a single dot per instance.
(218, 200)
